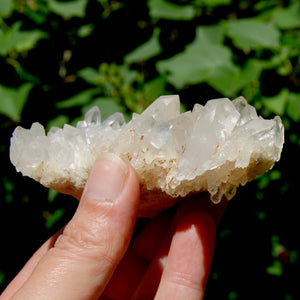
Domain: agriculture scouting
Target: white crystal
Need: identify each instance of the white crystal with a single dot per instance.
(212, 148)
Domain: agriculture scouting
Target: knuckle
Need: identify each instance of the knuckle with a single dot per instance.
(184, 280)
(86, 245)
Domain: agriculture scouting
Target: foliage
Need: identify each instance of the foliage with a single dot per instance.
(58, 58)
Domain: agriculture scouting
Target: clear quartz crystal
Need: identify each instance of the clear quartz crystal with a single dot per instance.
(212, 148)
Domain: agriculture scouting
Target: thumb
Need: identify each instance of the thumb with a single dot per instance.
(86, 254)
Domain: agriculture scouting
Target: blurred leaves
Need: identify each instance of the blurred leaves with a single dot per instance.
(293, 109)
(109, 7)
(85, 30)
(79, 99)
(206, 59)
(277, 104)
(115, 82)
(282, 257)
(13, 39)
(284, 102)
(68, 9)
(145, 51)
(6, 7)
(163, 9)
(12, 101)
(275, 269)
(251, 34)
(287, 18)
(200, 59)
(264, 180)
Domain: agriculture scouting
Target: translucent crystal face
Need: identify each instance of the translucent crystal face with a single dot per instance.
(215, 147)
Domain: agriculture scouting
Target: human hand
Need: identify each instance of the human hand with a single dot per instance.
(94, 257)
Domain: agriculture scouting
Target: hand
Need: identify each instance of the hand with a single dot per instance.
(94, 257)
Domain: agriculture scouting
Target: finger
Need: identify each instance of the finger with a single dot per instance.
(136, 260)
(24, 274)
(95, 240)
(189, 259)
(150, 281)
(200, 202)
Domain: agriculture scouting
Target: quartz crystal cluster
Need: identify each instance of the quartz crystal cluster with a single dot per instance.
(213, 148)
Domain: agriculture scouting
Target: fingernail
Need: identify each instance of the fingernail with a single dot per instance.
(107, 178)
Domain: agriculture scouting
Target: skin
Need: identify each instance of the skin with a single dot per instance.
(95, 257)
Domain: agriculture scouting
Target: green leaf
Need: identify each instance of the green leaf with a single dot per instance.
(279, 60)
(275, 269)
(229, 80)
(264, 5)
(153, 89)
(195, 64)
(128, 76)
(40, 15)
(145, 51)
(287, 18)
(163, 9)
(90, 75)
(199, 61)
(79, 99)
(277, 104)
(68, 9)
(6, 8)
(293, 108)
(107, 106)
(252, 34)
(12, 101)
(14, 39)
(213, 34)
(28, 40)
(111, 78)
(275, 175)
(85, 30)
(225, 79)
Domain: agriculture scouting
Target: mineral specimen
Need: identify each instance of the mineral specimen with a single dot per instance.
(213, 148)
